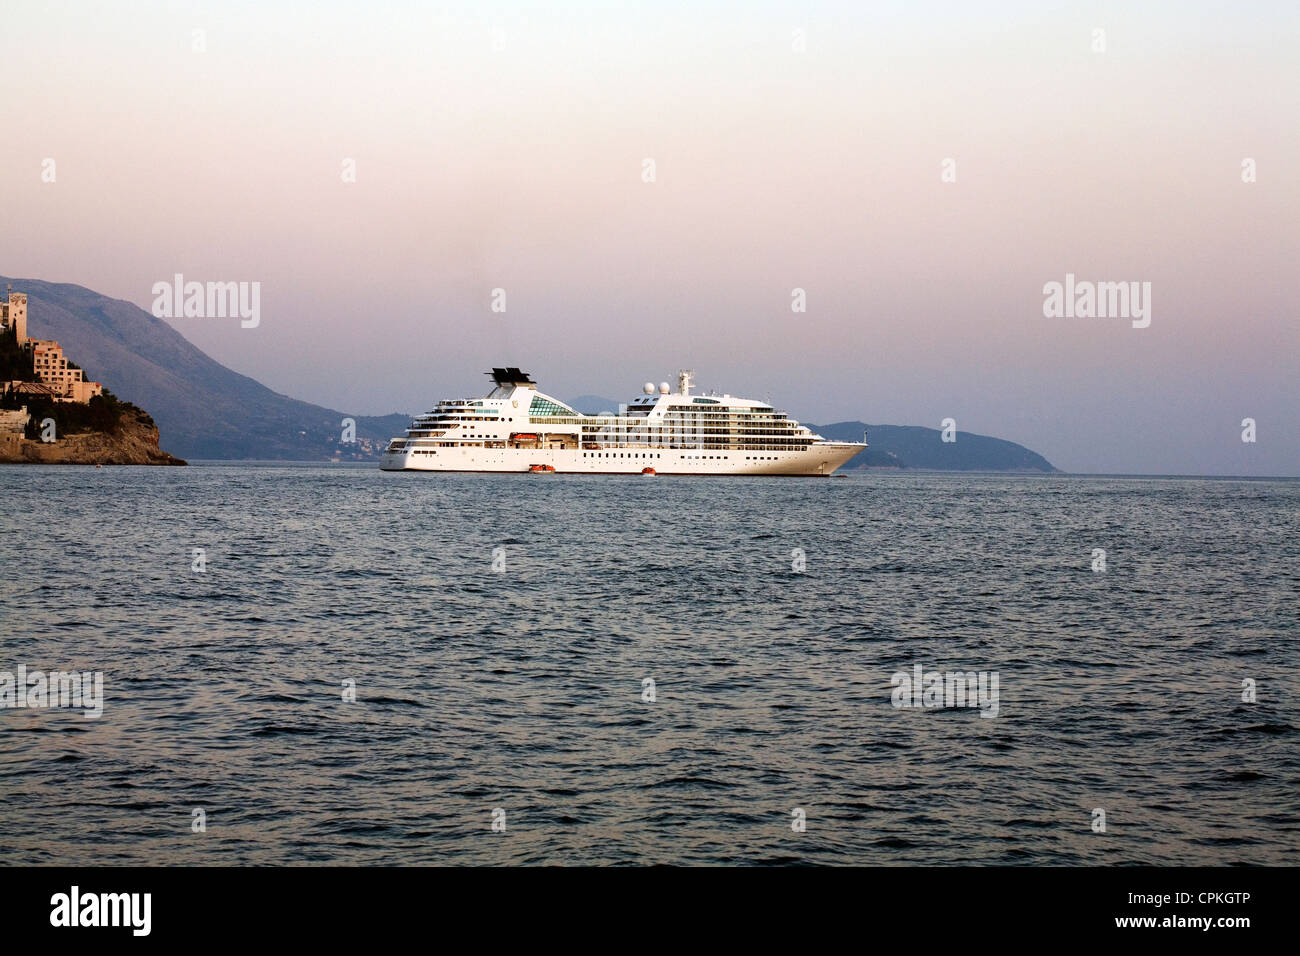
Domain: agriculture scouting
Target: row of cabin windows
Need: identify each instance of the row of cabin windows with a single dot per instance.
(611, 454)
(607, 454)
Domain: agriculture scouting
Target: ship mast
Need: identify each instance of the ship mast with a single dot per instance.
(684, 377)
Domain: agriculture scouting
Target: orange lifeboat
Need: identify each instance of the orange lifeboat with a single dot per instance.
(541, 469)
(648, 472)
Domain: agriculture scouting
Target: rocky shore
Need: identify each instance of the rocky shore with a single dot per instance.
(133, 442)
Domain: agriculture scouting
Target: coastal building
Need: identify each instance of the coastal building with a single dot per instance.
(53, 369)
(13, 421)
(66, 381)
(12, 426)
(13, 314)
(34, 390)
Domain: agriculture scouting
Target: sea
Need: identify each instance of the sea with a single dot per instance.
(329, 664)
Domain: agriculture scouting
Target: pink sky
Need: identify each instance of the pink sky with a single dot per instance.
(520, 167)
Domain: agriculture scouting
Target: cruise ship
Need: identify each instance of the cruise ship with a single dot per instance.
(516, 428)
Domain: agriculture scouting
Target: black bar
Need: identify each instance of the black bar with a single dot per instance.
(976, 907)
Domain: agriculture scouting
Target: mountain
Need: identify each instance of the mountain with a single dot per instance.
(912, 446)
(205, 410)
(202, 408)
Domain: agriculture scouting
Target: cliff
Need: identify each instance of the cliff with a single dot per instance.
(134, 441)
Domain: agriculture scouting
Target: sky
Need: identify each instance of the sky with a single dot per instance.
(920, 170)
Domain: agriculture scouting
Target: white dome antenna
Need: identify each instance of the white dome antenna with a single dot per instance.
(664, 388)
(648, 388)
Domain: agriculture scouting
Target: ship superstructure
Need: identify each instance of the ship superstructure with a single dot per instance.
(517, 428)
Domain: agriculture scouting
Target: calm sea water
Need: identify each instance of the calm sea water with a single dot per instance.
(523, 691)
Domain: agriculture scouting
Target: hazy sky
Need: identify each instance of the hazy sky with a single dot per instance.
(502, 146)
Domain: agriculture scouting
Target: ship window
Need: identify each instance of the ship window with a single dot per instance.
(541, 406)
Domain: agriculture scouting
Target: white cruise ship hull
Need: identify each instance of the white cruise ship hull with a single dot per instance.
(517, 428)
(818, 460)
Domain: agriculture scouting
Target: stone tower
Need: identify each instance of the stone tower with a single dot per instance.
(14, 314)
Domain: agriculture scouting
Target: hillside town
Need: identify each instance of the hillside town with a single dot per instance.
(57, 379)
(51, 414)
(47, 374)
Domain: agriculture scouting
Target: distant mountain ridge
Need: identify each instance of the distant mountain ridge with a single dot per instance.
(914, 446)
(205, 410)
(202, 408)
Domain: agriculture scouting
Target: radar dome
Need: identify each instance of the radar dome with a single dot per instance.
(648, 388)
(664, 388)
